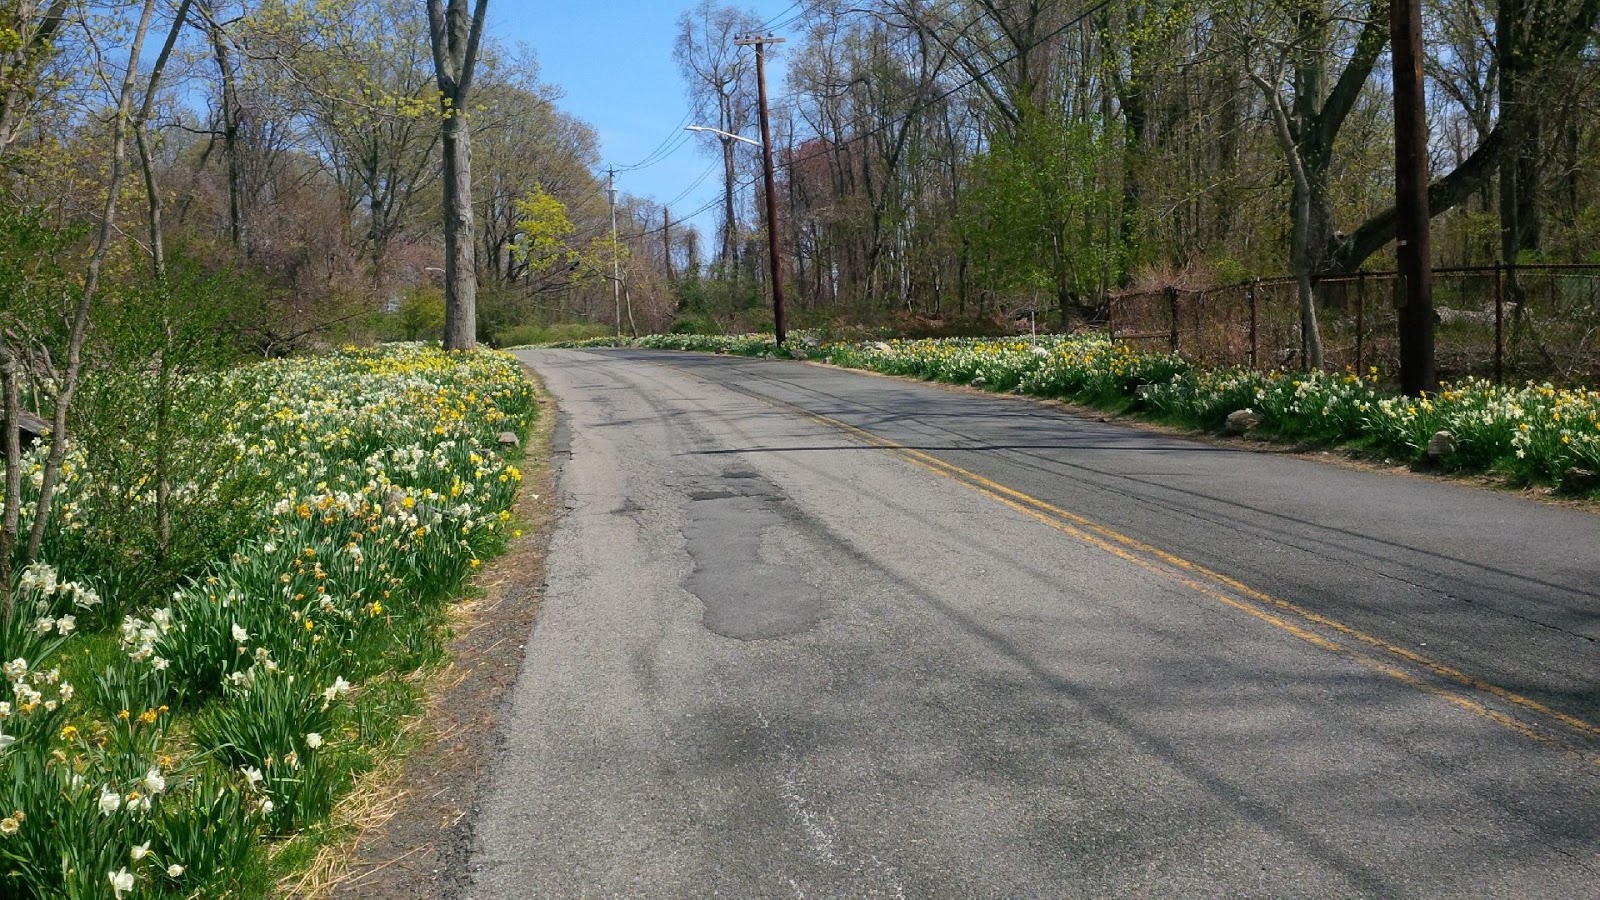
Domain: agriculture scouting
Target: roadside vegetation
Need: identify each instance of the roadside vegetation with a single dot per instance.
(170, 738)
(1533, 433)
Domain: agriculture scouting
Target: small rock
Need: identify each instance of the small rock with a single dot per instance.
(508, 439)
(393, 503)
(1242, 420)
(1579, 481)
(1442, 444)
(799, 354)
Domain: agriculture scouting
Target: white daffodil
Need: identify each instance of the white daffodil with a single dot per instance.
(239, 634)
(154, 781)
(140, 851)
(174, 871)
(339, 688)
(121, 881)
(252, 775)
(110, 801)
(313, 740)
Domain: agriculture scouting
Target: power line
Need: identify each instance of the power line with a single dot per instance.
(767, 25)
(697, 182)
(683, 218)
(662, 150)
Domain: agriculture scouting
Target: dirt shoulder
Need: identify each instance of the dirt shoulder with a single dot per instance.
(415, 817)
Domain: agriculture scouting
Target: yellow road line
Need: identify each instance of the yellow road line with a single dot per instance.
(1147, 556)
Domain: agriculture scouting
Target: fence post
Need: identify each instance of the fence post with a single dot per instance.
(1254, 349)
(1361, 322)
(1111, 317)
(1499, 326)
(1172, 313)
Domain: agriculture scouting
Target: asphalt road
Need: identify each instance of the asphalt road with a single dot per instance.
(815, 633)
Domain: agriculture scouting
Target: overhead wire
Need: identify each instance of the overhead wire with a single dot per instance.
(697, 182)
(682, 218)
(675, 138)
(785, 11)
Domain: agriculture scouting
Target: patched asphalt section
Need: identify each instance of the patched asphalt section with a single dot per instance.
(750, 592)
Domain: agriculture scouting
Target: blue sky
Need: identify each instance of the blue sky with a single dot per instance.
(613, 61)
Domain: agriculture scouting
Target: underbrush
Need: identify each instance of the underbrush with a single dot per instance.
(149, 751)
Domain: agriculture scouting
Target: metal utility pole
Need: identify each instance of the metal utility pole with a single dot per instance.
(616, 276)
(760, 42)
(1414, 245)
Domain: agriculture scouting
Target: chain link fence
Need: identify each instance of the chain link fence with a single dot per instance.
(1503, 323)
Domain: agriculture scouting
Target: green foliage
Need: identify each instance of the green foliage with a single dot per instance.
(160, 348)
(1042, 213)
(266, 727)
(421, 314)
(545, 230)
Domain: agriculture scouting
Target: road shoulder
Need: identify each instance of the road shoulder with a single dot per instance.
(415, 817)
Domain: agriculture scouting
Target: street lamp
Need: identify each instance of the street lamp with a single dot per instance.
(772, 219)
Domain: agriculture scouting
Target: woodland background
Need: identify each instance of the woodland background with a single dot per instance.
(940, 164)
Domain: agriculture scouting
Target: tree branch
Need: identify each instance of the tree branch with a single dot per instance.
(1443, 194)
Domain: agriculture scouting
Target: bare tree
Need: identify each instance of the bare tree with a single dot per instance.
(721, 88)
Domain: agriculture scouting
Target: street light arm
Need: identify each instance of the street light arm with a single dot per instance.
(723, 133)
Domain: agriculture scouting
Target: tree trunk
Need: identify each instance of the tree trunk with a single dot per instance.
(80, 319)
(1303, 256)
(454, 38)
(10, 520)
(730, 240)
(230, 127)
(460, 276)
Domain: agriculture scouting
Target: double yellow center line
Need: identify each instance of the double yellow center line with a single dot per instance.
(1534, 719)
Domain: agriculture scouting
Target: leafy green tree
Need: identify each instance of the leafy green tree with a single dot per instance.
(421, 313)
(1042, 212)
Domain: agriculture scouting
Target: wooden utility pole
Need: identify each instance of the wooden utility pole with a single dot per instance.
(616, 271)
(1414, 245)
(666, 241)
(760, 42)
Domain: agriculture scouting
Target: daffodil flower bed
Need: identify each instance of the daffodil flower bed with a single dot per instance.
(1531, 432)
(238, 706)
